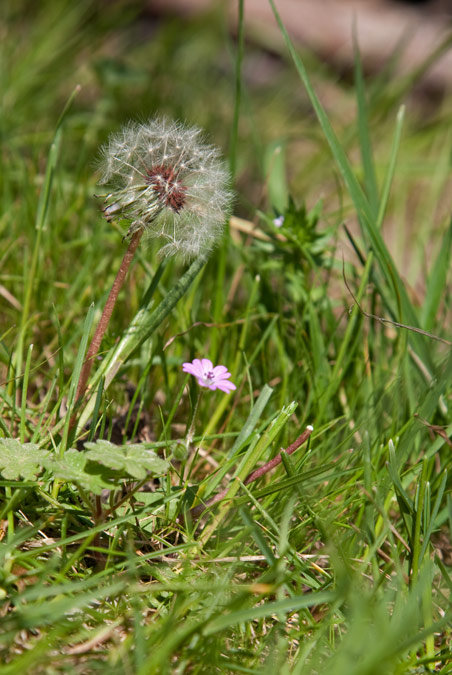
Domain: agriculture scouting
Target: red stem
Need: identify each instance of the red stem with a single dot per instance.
(254, 475)
(105, 319)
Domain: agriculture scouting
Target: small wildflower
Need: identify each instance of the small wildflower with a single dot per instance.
(169, 183)
(279, 221)
(209, 376)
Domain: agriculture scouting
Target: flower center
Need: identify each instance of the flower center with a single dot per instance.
(209, 375)
(164, 181)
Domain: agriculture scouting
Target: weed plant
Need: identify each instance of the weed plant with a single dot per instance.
(145, 539)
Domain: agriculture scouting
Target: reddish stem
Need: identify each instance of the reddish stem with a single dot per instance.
(254, 475)
(105, 319)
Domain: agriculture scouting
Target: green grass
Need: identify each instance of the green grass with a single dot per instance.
(338, 561)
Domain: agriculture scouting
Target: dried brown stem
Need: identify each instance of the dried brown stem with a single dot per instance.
(105, 319)
(258, 473)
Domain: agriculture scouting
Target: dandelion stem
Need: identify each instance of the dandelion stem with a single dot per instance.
(102, 326)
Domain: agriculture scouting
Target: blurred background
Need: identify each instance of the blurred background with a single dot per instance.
(133, 59)
(413, 27)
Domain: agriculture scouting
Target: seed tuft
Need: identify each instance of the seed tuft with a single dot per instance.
(167, 181)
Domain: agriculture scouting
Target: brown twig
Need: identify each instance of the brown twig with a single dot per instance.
(436, 429)
(257, 473)
(383, 320)
(105, 319)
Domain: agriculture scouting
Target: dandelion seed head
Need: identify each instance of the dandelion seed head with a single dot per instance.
(165, 180)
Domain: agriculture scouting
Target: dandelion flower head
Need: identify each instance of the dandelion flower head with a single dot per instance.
(210, 376)
(167, 181)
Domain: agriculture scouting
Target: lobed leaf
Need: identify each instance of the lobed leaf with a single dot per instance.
(73, 467)
(20, 459)
(134, 460)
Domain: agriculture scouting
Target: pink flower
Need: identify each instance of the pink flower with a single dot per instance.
(209, 376)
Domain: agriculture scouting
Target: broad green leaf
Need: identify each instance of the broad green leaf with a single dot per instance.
(72, 468)
(133, 460)
(20, 459)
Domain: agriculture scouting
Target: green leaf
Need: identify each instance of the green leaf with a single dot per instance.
(133, 460)
(141, 328)
(437, 281)
(275, 171)
(20, 459)
(405, 309)
(72, 468)
(370, 179)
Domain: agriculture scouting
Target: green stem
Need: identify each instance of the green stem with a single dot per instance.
(417, 526)
(191, 425)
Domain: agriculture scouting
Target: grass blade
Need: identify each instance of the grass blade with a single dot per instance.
(437, 281)
(370, 179)
(405, 308)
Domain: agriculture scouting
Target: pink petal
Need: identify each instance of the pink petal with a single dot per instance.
(189, 368)
(194, 368)
(198, 365)
(221, 372)
(226, 386)
(206, 365)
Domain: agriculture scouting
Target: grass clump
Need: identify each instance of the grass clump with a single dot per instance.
(166, 531)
